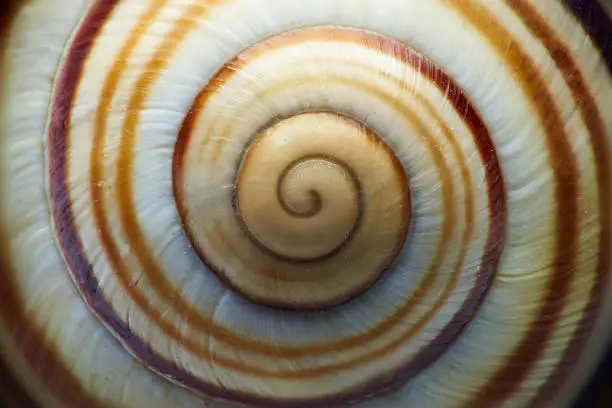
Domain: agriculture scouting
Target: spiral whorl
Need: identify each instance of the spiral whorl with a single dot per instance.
(280, 203)
(321, 208)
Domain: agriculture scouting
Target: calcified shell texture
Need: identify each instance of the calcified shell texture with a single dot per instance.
(288, 203)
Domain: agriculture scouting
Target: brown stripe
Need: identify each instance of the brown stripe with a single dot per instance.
(97, 185)
(591, 116)
(519, 362)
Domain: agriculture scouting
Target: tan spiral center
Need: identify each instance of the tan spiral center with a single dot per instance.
(323, 207)
(301, 208)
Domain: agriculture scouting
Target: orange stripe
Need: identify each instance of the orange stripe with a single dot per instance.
(109, 89)
(591, 116)
(520, 361)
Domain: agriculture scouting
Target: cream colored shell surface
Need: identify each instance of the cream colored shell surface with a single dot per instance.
(286, 203)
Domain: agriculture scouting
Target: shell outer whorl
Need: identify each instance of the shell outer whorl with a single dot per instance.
(425, 357)
(313, 206)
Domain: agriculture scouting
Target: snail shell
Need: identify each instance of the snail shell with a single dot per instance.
(270, 203)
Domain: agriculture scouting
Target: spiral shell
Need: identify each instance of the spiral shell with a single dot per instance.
(283, 203)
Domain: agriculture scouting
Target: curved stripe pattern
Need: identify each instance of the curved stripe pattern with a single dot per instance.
(223, 334)
(288, 204)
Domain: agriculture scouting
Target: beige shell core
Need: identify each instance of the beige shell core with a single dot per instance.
(314, 224)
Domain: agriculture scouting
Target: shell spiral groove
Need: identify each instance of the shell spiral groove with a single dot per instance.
(279, 203)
